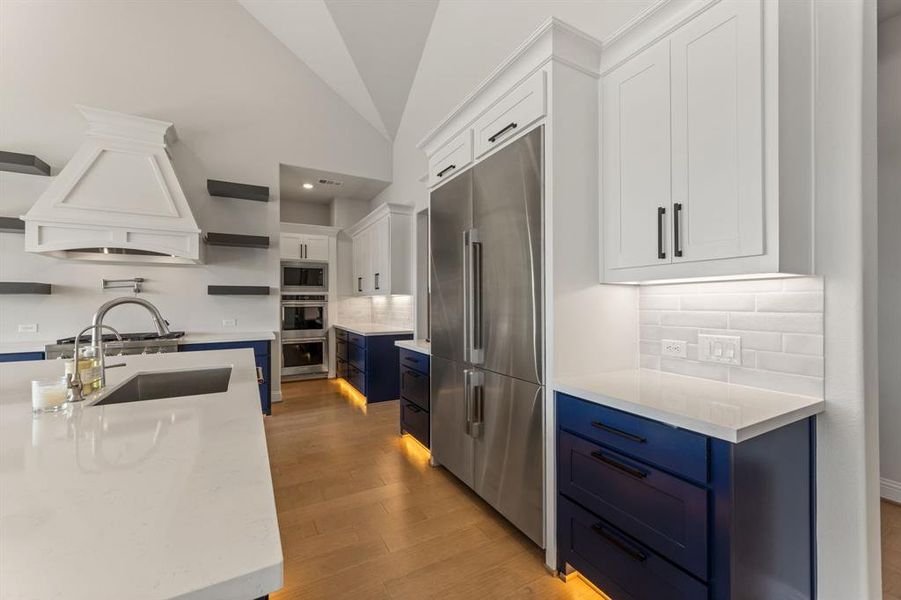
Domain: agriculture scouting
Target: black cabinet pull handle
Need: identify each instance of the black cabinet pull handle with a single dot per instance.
(661, 212)
(413, 407)
(629, 436)
(377, 280)
(412, 374)
(502, 132)
(446, 169)
(359, 284)
(628, 470)
(635, 553)
(677, 239)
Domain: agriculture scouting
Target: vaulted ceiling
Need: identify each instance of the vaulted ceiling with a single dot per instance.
(366, 50)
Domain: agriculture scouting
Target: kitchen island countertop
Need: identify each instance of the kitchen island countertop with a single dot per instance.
(146, 500)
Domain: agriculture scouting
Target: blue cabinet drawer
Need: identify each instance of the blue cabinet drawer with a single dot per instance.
(356, 356)
(20, 356)
(414, 360)
(341, 334)
(341, 350)
(356, 339)
(682, 452)
(356, 378)
(414, 420)
(666, 513)
(620, 565)
(341, 369)
(414, 386)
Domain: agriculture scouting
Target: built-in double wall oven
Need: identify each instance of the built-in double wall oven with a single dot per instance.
(304, 334)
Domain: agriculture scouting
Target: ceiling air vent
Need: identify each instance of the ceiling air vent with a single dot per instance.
(329, 182)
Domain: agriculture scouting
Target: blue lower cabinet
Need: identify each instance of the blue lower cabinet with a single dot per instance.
(649, 511)
(262, 356)
(369, 363)
(20, 356)
(415, 395)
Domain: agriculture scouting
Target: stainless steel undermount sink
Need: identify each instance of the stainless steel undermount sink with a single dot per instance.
(168, 384)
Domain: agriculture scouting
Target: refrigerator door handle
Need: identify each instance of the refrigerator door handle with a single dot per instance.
(467, 299)
(477, 380)
(472, 282)
(478, 348)
(467, 400)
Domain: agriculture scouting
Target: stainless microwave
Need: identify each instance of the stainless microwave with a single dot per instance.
(304, 277)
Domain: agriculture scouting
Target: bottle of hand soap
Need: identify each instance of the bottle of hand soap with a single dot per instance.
(88, 369)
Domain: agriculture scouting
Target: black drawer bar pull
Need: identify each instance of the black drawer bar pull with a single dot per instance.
(637, 473)
(446, 169)
(629, 436)
(502, 132)
(413, 407)
(412, 374)
(635, 553)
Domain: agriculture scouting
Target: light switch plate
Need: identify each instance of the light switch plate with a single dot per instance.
(723, 349)
(28, 328)
(676, 348)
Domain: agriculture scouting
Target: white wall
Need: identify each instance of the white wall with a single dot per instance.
(310, 213)
(241, 103)
(890, 255)
(347, 211)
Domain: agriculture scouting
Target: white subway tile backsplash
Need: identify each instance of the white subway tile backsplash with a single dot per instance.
(780, 322)
(720, 302)
(784, 322)
(799, 364)
(694, 319)
(791, 302)
(658, 303)
(801, 343)
(694, 368)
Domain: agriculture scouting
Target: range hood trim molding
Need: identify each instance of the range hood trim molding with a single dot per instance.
(83, 208)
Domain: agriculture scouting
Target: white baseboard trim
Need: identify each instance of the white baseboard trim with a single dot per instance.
(891, 490)
(277, 396)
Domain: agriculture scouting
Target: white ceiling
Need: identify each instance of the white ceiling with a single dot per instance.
(291, 180)
(366, 50)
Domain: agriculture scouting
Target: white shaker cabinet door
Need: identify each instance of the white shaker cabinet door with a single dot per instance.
(316, 247)
(717, 149)
(289, 247)
(636, 160)
(380, 256)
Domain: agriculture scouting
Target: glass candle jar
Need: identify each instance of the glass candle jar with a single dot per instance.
(48, 395)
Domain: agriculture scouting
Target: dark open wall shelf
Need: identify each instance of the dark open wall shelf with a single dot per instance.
(12, 225)
(237, 240)
(238, 290)
(241, 191)
(23, 163)
(24, 287)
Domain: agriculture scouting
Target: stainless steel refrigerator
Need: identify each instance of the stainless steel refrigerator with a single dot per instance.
(487, 371)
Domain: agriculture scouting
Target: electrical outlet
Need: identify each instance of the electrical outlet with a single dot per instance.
(229, 322)
(28, 328)
(723, 349)
(676, 348)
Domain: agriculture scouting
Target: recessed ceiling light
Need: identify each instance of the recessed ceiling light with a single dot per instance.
(308, 186)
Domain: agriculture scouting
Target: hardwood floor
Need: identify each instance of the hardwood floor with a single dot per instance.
(364, 516)
(891, 551)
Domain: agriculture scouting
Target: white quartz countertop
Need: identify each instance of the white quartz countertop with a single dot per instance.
(157, 499)
(189, 338)
(421, 346)
(201, 337)
(373, 328)
(730, 412)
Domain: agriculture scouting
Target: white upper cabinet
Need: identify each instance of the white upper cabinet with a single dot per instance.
(382, 251)
(297, 246)
(690, 116)
(454, 157)
(512, 115)
(717, 124)
(636, 159)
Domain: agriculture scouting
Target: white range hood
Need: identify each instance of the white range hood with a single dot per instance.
(118, 199)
